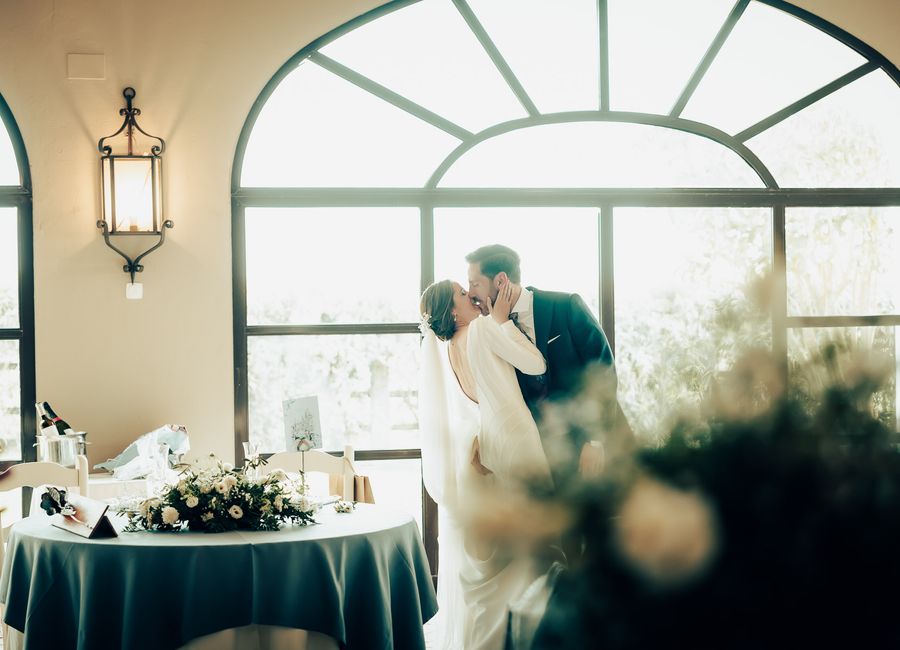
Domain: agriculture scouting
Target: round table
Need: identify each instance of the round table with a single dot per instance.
(361, 578)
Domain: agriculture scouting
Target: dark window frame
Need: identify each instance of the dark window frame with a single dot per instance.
(20, 197)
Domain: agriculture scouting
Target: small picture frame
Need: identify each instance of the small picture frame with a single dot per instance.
(302, 428)
(89, 519)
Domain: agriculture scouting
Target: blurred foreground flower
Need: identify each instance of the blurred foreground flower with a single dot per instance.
(517, 520)
(667, 534)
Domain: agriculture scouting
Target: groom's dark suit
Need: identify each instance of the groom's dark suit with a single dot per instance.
(571, 340)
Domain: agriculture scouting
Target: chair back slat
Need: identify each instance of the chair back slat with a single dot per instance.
(34, 474)
(317, 461)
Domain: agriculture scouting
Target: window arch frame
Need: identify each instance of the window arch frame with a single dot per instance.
(429, 197)
(20, 197)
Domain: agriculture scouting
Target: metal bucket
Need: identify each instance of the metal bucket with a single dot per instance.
(61, 449)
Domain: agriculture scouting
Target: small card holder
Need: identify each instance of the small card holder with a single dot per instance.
(89, 520)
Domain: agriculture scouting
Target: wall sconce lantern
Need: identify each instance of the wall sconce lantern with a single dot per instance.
(131, 189)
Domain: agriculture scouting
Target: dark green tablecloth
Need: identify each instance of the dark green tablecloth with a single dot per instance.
(361, 578)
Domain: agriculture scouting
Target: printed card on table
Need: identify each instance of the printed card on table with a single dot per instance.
(302, 429)
(88, 519)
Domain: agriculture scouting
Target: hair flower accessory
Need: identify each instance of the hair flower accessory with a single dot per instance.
(425, 324)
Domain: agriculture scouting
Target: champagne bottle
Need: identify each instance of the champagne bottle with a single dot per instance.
(61, 425)
(47, 426)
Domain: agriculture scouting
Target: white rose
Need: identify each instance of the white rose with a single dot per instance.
(279, 503)
(182, 486)
(227, 467)
(169, 515)
(236, 512)
(192, 501)
(206, 516)
(278, 475)
(229, 481)
(205, 488)
(666, 533)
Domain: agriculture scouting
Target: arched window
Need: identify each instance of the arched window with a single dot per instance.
(17, 384)
(655, 157)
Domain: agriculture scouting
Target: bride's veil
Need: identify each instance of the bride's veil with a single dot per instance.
(448, 421)
(436, 418)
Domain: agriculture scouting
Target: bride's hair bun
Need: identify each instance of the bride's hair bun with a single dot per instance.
(438, 302)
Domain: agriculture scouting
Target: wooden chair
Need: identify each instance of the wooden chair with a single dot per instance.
(317, 461)
(35, 475)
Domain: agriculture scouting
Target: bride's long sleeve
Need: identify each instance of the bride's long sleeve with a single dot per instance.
(510, 344)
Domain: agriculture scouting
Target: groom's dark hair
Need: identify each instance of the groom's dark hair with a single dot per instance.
(495, 259)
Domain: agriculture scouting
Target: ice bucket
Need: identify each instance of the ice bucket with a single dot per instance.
(61, 449)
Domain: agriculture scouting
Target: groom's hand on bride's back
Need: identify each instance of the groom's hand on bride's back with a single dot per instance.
(476, 459)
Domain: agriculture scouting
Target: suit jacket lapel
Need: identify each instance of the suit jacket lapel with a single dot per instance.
(543, 312)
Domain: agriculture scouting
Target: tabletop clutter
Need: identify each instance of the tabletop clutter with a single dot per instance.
(151, 454)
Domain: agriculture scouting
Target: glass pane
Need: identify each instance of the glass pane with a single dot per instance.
(850, 138)
(9, 268)
(650, 62)
(396, 484)
(332, 265)
(807, 371)
(843, 261)
(9, 170)
(551, 46)
(770, 60)
(682, 312)
(132, 180)
(319, 130)
(599, 154)
(366, 384)
(558, 247)
(427, 53)
(10, 402)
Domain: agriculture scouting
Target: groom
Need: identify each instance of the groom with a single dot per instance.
(569, 337)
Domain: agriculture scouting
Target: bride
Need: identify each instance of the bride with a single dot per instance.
(477, 434)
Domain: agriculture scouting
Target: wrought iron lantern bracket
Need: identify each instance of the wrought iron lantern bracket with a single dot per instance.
(133, 266)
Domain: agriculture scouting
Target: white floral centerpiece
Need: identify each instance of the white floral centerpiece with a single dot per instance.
(220, 498)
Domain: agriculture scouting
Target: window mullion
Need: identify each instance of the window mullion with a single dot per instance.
(709, 57)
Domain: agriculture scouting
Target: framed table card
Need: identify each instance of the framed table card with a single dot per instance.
(302, 429)
(88, 520)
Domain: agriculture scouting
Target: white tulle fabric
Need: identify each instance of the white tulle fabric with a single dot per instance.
(449, 423)
(474, 593)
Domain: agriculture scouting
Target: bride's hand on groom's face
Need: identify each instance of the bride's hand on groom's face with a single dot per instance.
(500, 310)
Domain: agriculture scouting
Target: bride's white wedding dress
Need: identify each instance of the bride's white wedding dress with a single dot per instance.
(476, 587)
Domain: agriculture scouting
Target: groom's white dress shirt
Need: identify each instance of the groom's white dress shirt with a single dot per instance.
(524, 307)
